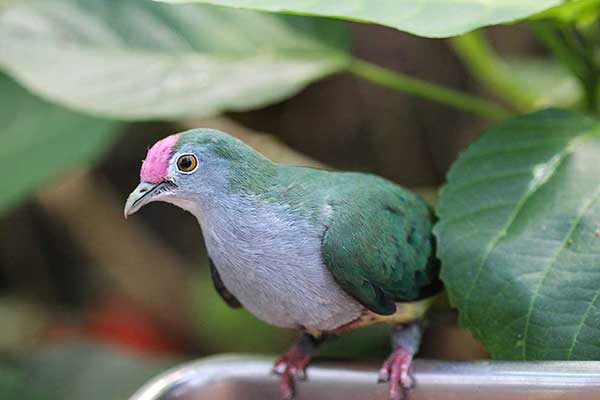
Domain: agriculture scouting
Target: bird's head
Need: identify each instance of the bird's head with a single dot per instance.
(194, 167)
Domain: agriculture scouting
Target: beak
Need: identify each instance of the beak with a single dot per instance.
(143, 194)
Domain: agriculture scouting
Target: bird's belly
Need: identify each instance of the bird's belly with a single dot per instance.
(289, 294)
(279, 275)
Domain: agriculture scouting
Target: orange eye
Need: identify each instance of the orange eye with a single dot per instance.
(187, 163)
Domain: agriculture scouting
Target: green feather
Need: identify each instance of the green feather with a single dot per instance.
(377, 243)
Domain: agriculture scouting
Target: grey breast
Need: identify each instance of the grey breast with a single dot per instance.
(271, 261)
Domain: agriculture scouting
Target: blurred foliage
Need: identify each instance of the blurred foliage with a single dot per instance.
(78, 370)
(548, 82)
(22, 323)
(75, 371)
(579, 12)
(38, 140)
(14, 384)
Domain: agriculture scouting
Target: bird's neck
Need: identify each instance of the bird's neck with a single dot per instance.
(252, 177)
(233, 192)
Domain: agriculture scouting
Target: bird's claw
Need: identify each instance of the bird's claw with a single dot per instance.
(291, 367)
(282, 367)
(396, 371)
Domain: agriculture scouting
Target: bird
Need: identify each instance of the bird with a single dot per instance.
(318, 251)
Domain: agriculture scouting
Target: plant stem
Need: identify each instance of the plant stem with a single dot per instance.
(573, 55)
(427, 90)
(485, 65)
(557, 45)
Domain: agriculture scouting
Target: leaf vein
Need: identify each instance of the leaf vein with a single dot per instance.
(519, 206)
(551, 266)
(582, 323)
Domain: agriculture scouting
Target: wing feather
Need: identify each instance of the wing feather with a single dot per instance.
(378, 245)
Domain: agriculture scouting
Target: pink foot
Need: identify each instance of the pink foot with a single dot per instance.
(289, 367)
(396, 371)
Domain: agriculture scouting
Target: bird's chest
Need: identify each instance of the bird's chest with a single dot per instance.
(271, 262)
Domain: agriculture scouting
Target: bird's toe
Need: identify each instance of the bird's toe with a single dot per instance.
(383, 376)
(396, 371)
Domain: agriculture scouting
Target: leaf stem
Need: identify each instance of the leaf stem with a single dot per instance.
(568, 47)
(401, 82)
(489, 69)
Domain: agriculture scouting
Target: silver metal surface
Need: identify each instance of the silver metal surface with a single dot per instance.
(248, 378)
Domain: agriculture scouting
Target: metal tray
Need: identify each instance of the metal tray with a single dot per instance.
(238, 377)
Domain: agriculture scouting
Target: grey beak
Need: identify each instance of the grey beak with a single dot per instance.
(141, 195)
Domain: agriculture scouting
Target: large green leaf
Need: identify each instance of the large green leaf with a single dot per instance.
(430, 18)
(39, 140)
(519, 237)
(137, 59)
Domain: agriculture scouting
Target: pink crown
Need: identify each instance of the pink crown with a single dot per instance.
(156, 164)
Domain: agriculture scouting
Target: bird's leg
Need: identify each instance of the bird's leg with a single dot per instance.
(406, 339)
(292, 364)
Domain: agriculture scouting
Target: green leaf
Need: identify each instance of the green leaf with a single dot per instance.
(546, 81)
(39, 140)
(519, 237)
(135, 59)
(429, 18)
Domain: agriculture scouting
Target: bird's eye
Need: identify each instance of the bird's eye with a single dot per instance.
(187, 163)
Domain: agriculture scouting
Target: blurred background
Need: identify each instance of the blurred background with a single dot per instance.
(93, 305)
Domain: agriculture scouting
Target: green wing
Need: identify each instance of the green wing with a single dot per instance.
(378, 243)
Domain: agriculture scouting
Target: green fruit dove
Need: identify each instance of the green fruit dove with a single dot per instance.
(302, 248)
